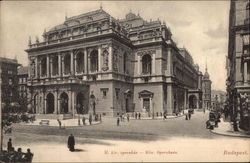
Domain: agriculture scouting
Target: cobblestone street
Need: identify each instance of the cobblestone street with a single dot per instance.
(171, 139)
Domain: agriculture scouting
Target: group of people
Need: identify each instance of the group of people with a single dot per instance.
(16, 156)
(121, 118)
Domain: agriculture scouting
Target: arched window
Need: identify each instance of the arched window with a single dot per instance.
(67, 64)
(80, 62)
(146, 64)
(43, 66)
(94, 61)
(55, 65)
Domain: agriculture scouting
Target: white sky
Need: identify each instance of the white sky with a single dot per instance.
(199, 26)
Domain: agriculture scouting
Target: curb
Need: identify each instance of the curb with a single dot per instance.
(242, 136)
(160, 118)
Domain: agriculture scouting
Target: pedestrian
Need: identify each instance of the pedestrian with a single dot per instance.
(118, 121)
(128, 117)
(71, 143)
(79, 122)
(59, 123)
(189, 114)
(90, 119)
(135, 115)
(139, 115)
(83, 120)
(121, 118)
(9, 148)
(19, 155)
(28, 156)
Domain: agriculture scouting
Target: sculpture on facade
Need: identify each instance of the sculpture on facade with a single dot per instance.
(105, 60)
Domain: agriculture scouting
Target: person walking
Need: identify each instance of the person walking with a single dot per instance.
(90, 119)
(118, 121)
(59, 123)
(9, 146)
(71, 143)
(83, 121)
(189, 114)
(135, 115)
(128, 117)
(139, 115)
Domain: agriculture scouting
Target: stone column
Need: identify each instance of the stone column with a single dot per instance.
(71, 62)
(50, 65)
(151, 106)
(170, 100)
(139, 64)
(55, 103)
(75, 65)
(245, 72)
(48, 69)
(153, 63)
(185, 99)
(85, 61)
(63, 66)
(58, 103)
(169, 62)
(73, 104)
(45, 105)
(99, 58)
(40, 67)
(59, 65)
(29, 70)
(36, 65)
(70, 102)
(110, 58)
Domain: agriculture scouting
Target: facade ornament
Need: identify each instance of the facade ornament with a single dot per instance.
(115, 60)
(37, 39)
(105, 56)
(150, 52)
(30, 41)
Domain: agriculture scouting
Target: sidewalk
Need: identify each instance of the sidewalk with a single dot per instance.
(226, 129)
(158, 118)
(65, 123)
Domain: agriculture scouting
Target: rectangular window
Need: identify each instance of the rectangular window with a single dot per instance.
(104, 92)
(117, 90)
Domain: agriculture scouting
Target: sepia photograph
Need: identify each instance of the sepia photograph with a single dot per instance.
(125, 81)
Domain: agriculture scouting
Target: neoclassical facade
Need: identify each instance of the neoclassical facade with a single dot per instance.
(93, 63)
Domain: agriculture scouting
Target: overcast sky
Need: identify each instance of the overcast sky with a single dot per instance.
(201, 27)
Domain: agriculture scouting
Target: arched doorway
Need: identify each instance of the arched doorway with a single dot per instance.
(64, 103)
(50, 103)
(192, 102)
(80, 103)
(35, 107)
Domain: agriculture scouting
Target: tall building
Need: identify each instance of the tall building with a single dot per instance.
(93, 63)
(8, 82)
(22, 74)
(206, 89)
(238, 62)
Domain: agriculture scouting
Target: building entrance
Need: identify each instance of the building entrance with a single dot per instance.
(50, 103)
(64, 103)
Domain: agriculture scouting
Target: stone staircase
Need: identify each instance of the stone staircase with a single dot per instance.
(54, 116)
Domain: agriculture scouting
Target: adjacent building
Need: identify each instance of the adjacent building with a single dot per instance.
(238, 63)
(94, 63)
(206, 90)
(22, 74)
(8, 82)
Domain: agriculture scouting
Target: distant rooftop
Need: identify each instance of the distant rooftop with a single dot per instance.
(22, 70)
(8, 60)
